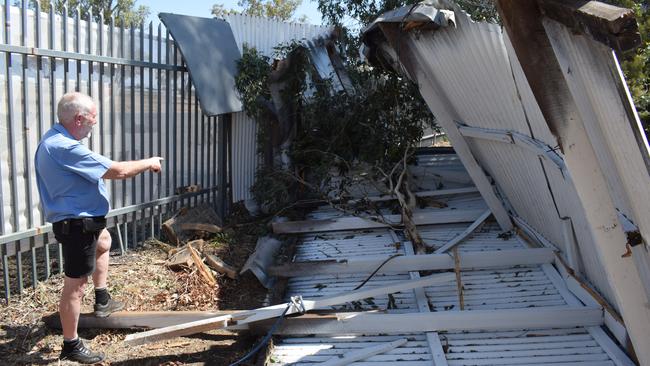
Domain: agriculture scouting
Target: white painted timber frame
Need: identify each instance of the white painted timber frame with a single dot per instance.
(465, 234)
(437, 352)
(275, 311)
(616, 131)
(592, 186)
(422, 194)
(367, 264)
(451, 321)
(358, 223)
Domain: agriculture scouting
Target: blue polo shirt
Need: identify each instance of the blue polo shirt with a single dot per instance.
(69, 177)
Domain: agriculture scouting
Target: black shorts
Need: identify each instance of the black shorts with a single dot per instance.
(78, 238)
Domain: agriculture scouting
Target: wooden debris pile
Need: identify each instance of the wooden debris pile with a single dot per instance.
(191, 227)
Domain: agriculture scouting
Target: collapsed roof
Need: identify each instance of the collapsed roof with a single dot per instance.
(539, 113)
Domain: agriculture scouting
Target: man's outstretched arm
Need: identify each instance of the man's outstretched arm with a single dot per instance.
(128, 169)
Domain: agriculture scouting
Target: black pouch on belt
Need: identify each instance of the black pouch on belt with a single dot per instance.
(93, 224)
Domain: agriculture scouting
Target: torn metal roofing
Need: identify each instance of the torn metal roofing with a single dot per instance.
(210, 52)
(568, 179)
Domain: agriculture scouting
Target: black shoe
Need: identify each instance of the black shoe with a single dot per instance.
(80, 353)
(102, 311)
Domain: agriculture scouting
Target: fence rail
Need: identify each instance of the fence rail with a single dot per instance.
(147, 106)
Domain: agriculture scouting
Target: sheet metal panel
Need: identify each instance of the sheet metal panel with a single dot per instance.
(109, 82)
(209, 49)
(244, 155)
(265, 34)
(486, 88)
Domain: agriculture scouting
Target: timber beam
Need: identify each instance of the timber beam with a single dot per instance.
(367, 264)
(441, 216)
(613, 26)
(467, 320)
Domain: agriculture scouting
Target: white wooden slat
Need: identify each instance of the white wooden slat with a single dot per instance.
(487, 338)
(462, 236)
(417, 262)
(368, 323)
(538, 359)
(321, 360)
(542, 344)
(614, 352)
(526, 353)
(332, 348)
(363, 363)
(349, 340)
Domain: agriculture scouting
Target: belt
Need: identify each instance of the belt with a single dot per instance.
(79, 221)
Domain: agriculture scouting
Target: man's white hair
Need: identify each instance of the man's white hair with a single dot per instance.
(72, 104)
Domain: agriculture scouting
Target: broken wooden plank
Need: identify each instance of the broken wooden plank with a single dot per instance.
(443, 216)
(459, 280)
(203, 270)
(467, 320)
(369, 263)
(362, 354)
(220, 266)
(274, 311)
(465, 234)
(611, 25)
(137, 319)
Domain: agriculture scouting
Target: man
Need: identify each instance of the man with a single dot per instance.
(70, 180)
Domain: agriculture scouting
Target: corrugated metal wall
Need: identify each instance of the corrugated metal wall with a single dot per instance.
(146, 107)
(262, 34)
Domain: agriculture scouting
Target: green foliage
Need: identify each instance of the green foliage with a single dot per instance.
(252, 80)
(126, 12)
(636, 65)
(371, 127)
(282, 10)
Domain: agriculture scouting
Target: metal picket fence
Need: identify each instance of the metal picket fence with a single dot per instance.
(146, 107)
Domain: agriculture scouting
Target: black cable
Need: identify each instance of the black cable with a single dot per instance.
(266, 338)
(376, 270)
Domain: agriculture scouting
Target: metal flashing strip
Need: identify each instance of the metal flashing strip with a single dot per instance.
(513, 137)
(43, 52)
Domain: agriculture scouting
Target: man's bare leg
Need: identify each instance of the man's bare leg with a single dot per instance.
(70, 305)
(104, 305)
(100, 275)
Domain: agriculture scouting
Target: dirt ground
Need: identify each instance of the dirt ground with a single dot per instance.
(141, 279)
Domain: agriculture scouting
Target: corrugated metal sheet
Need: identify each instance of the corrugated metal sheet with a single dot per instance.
(263, 34)
(486, 88)
(244, 155)
(494, 288)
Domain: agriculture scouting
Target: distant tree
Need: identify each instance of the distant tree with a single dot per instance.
(282, 10)
(126, 12)
(636, 65)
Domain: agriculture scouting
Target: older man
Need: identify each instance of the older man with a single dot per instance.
(70, 181)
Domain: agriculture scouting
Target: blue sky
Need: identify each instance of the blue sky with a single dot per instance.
(202, 8)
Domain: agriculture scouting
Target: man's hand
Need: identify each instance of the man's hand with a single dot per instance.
(155, 164)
